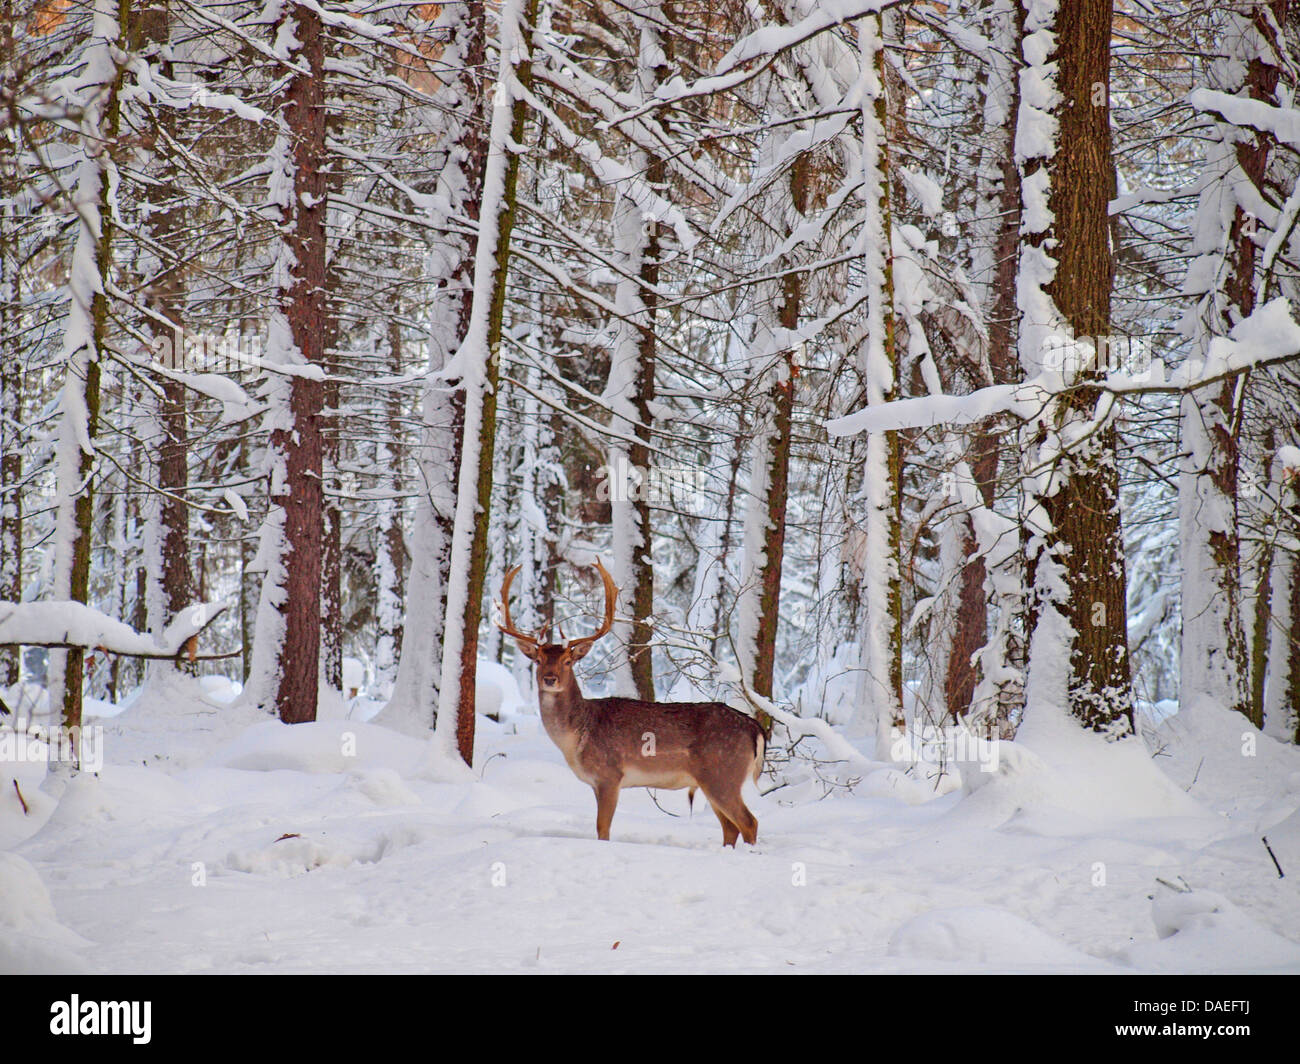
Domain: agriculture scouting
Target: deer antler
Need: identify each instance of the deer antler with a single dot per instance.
(509, 626)
(611, 597)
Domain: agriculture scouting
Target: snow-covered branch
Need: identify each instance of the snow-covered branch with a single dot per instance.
(74, 624)
(1268, 337)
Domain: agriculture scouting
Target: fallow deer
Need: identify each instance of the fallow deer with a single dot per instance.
(612, 743)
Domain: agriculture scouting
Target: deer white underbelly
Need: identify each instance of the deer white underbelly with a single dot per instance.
(666, 779)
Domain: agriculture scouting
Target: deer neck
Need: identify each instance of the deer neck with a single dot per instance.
(564, 713)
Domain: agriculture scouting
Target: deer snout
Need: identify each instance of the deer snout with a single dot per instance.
(551, 683)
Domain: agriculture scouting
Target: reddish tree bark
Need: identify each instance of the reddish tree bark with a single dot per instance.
(1085, 511)
(301, 446)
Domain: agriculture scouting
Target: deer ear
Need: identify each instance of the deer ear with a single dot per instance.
(577, 653)
(529, 650)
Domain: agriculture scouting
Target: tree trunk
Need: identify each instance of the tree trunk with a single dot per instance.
(479, 359)
(1001, 203)
(331, 586)
(630, 391)
(771, 470)
(390, 544)
(286, 671)
(1292, 697)
(500, 533)
(1080, 571)
(417, 687)
(1214, 654)
(880, 686)
(11, 367)
(84, 341)
(171, 588)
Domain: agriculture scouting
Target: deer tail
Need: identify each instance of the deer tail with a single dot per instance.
(760, 752)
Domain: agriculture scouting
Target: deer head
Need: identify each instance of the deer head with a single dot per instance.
(555, 661)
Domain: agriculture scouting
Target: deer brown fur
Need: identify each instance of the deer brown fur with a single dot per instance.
(612, 743)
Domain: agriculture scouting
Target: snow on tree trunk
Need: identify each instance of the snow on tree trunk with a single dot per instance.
(1288, 664)
(713, 608)
(331, 584)
(943, 630)
(477, 365)
(248, 581)
(413, 706)
(764, 551)
(118, 550)
(1078, 654)
(1275, 607)
(699, 678)
(540, 495)
(390, 548)
(1257, 584)
(1292, 675)
(1213, 655)
(879, 696)
(629, 392)
(1279, 671)
(973, 654)
(11, 369)
(499, 537)
(170, 588)
(285, 670)
(83, 343)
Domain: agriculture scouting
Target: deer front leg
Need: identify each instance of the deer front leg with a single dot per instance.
(606, 803)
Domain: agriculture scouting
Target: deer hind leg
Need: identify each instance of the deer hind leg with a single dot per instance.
(747, 822)
(606, 803)
(729, 829)
(734, 809)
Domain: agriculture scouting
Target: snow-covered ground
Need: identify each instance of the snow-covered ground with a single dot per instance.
(215, 842)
